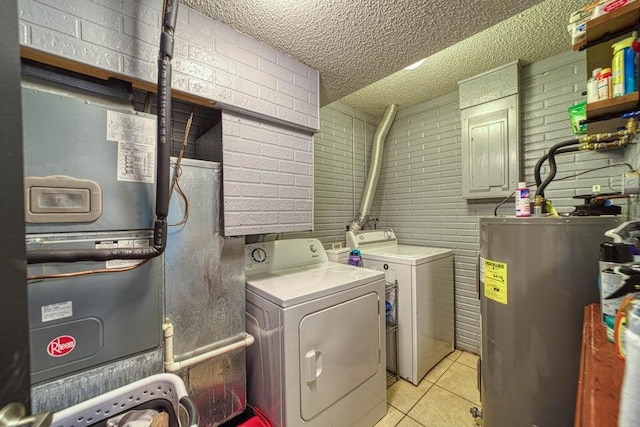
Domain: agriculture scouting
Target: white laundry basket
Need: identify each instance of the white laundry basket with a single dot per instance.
(164, 392)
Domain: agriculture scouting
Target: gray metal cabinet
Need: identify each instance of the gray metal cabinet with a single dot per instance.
(490, 149)
(490, 121)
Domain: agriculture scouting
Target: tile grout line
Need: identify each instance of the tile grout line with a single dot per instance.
(406, 414)
(453, 392)
(456, 359)
(425, 393)
(419, 399)
(432, 384)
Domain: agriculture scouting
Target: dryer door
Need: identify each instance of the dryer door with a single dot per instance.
(339, 350)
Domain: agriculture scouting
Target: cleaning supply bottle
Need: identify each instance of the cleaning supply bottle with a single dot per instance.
(523, 204)
(629, 413)
(355, 258)
(630, 78)
(592, 86)
(620, 327)
(604, 84)
(618, 65)
(612, 255)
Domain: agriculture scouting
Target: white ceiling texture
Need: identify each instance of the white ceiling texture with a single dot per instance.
(360, 47)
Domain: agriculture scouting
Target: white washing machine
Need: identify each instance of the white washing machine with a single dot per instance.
(319, 356)
(425, 310)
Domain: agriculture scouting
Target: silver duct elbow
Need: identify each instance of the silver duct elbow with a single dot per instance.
(375, 165)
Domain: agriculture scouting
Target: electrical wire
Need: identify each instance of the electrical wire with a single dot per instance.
(177, 173)
(185, 217)
(594, 170)
(87, 272)
(187, 130)
(635, 158)
(614, 181)
(495, 212)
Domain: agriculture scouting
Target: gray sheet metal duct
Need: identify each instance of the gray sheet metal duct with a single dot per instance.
(377, 148)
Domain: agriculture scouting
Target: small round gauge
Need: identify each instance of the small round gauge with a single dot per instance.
(259, 255)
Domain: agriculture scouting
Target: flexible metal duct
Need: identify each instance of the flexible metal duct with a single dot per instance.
(374, 168)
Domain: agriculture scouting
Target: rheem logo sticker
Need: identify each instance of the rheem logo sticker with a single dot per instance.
(61, 346)
(614, 5)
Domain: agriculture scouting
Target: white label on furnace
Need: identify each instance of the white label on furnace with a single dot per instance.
(136, 138)
(131, 128)
(117, 244)
(136, 162)
(59, 310)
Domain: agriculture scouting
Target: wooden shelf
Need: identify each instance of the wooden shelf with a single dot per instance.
(619, 20)
(600, 375)
(618, 104)
(601, 33)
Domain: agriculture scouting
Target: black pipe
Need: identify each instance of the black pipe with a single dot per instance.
(164, 131)
(552, 164)
(536, 170)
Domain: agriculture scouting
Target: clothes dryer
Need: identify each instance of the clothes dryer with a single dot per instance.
(319, 355)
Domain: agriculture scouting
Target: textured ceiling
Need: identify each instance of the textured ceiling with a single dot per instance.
(536, 33)
(360, 47)
(354, 43)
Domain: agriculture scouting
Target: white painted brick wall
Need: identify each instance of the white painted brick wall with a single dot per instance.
(420, 186)
(211, 60)
(341, 159)
(267, 177)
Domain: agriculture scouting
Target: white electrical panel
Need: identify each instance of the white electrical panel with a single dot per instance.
(490, 152)
(490, 133)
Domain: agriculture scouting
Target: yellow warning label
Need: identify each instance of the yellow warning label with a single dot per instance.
(495, 281)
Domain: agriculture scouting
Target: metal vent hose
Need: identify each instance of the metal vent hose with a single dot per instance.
(374, 168)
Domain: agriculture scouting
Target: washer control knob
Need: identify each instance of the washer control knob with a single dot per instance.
(387, 234)
(259, 255)
(313, 248)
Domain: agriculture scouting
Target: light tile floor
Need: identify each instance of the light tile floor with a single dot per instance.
(442, 399)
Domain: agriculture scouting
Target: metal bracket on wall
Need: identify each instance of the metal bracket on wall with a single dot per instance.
(113, 88)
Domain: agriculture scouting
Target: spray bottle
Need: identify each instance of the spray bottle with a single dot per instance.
(618, 273)
(523, 204)
(629, 404)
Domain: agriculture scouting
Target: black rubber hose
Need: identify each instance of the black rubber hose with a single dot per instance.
(553, 169)
(538, 167)
(552, 164)
(164, 131)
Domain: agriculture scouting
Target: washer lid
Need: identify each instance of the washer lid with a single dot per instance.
(301, 284)
(405, 254)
